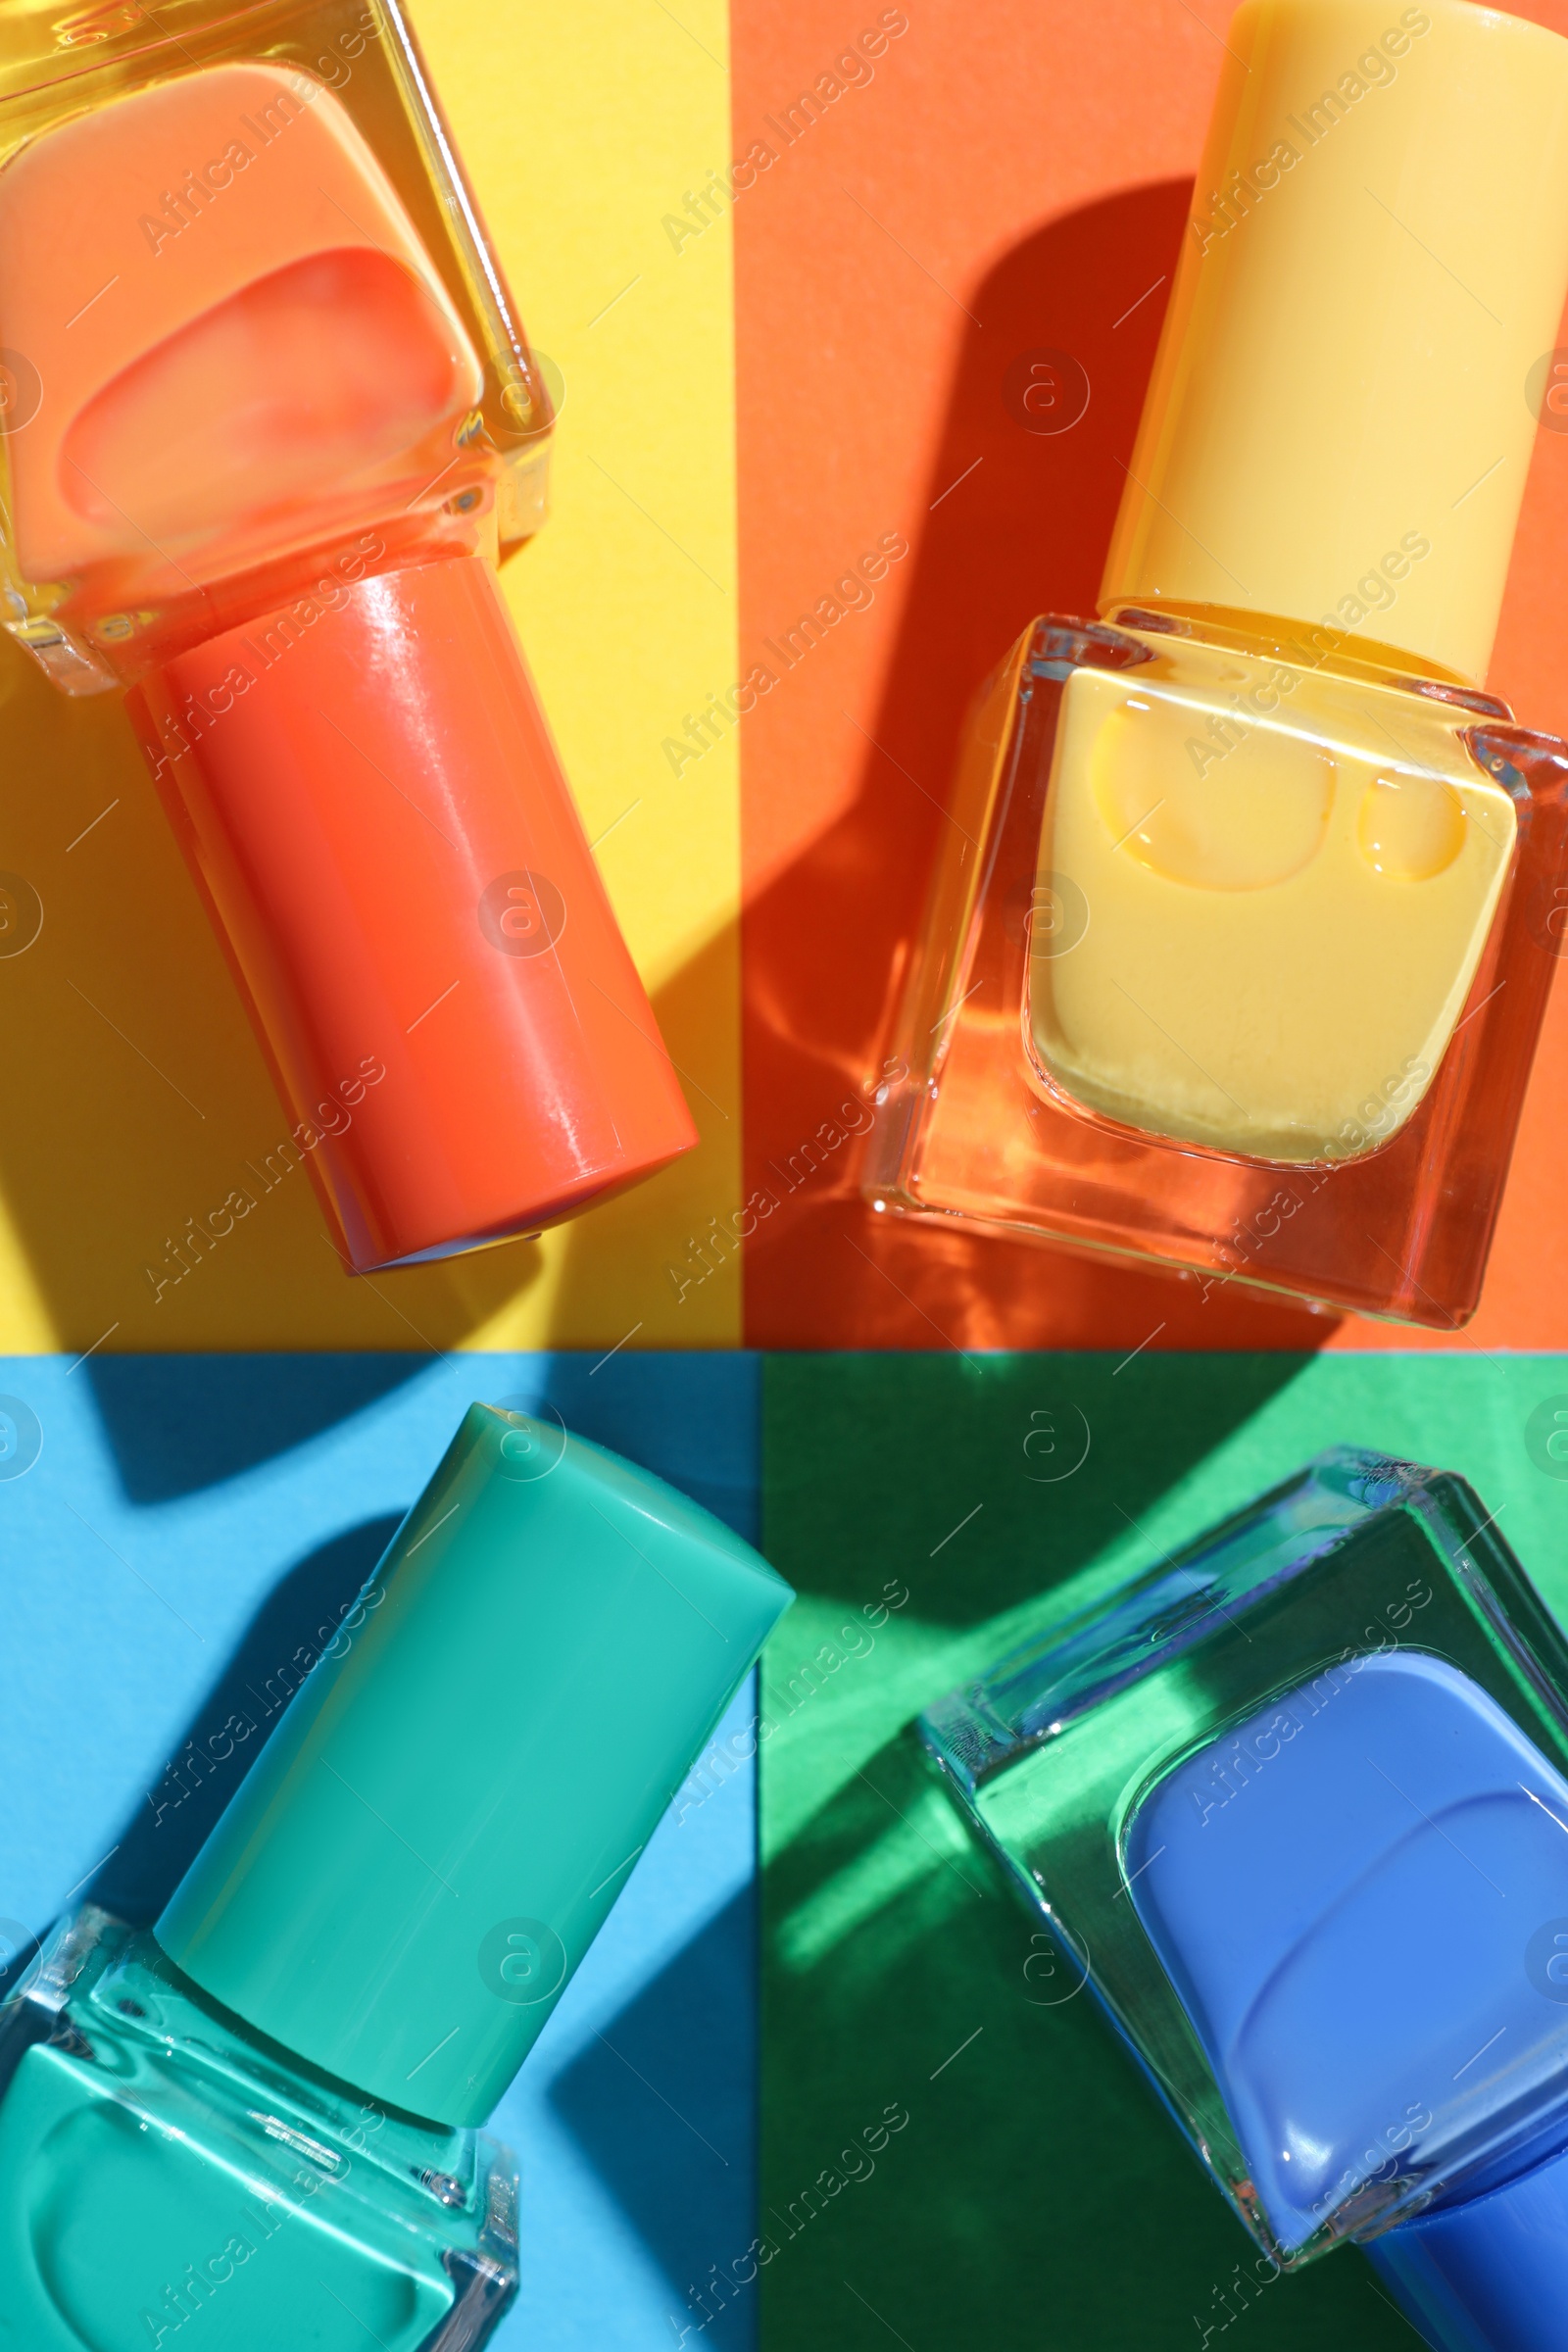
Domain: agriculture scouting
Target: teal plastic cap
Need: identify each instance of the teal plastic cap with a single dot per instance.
(457, 1793)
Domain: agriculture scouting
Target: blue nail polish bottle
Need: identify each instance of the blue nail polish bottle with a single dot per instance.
(1294, 1806)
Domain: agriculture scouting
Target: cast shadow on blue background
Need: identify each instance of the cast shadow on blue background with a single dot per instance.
(179, 1423)
(663, 2102)
(164, 1833)
(176, 1424)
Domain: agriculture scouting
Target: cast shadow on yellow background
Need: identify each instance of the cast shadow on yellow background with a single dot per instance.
(140, 1116)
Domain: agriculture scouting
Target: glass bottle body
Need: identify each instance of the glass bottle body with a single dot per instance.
(254, 346)
(1223, 1793)
(1234, 962)
(162, 2164)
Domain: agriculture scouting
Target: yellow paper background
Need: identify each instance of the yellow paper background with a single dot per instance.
(131, 1094)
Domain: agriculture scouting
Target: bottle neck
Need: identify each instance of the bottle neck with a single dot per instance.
(1490, 2270)
(1306, 645)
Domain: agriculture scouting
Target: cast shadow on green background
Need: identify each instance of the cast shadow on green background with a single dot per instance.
(1038, 2196)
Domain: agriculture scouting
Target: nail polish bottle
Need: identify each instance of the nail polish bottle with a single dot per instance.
(1293, 1808)
(270, 421)
(1245, 918)
(264, 2110)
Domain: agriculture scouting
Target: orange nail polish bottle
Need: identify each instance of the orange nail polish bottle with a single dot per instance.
(269, 422)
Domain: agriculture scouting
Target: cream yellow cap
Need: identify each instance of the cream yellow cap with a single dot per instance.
(1339, 422)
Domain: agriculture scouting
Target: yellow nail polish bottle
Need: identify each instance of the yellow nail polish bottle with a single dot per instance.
(1238, 955)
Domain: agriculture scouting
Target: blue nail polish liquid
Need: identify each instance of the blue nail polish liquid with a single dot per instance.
(1296, 1805)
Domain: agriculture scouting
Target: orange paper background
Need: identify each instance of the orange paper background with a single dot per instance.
(1011, 178)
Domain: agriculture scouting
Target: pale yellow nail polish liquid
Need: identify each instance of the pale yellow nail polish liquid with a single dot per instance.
(1277, 919)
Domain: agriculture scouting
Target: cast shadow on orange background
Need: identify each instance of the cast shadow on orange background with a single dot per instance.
(1017, 523)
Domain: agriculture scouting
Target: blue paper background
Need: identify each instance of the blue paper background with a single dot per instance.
(186, 1523)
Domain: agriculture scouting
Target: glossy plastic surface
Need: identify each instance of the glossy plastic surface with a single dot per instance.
(1290, 439)
(163, 2169)
(1485, 2276)
(369, 796)
(1045, 1102)
(458, 1790)
(249, 325)
(1220, 1715)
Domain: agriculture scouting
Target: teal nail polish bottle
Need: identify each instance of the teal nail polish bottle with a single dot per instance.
(256, 2123)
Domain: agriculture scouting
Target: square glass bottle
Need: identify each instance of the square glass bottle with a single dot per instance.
(1293, 1805)
(1241, 931)
(1311, 1085)
(297, 344)
(164, 2161)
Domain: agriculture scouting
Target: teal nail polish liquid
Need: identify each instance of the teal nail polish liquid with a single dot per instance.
(173, 2180)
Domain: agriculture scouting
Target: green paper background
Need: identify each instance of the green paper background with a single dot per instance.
(1038, 2196)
